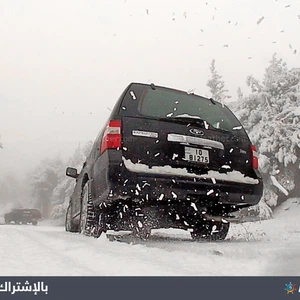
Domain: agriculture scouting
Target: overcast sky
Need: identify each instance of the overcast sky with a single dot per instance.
(64, 63)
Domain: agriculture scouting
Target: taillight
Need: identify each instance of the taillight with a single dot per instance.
(112, 136)
(254, 157)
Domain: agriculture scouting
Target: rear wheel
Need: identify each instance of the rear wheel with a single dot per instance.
(88, 221)
(34, 222)
(210, 231)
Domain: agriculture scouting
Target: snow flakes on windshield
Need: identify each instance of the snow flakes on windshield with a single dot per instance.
(206, 125)
(132, 94)
(237, 128)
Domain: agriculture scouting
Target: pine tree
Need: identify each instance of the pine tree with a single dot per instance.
(216, 85)
(271, 115)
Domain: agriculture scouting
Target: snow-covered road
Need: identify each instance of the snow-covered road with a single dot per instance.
(261, 248)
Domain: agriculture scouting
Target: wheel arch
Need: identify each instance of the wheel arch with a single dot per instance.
(84, 180)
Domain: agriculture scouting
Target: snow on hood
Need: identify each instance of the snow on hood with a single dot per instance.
(234, 176)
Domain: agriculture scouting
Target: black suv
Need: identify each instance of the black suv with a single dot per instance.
(23, 216)
(165, 158)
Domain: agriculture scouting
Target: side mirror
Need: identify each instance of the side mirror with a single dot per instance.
(72, 172)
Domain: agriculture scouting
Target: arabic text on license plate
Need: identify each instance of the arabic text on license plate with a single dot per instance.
(196, 155)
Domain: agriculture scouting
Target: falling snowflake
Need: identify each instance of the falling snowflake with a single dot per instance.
(174, 195)
(209, 192)
(259, 20)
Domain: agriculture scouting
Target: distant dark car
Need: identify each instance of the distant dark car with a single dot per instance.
(165, 158)
(23, 216)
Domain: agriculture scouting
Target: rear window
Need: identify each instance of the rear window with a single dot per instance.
(164, 103)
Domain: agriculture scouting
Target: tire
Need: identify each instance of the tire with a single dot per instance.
(210, 231)
(69, 224)
(88, 221)
(7, 221)
(34, 222)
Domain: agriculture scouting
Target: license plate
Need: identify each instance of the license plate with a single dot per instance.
(196, 155)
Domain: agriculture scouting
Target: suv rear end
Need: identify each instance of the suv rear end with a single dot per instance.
(177, 159)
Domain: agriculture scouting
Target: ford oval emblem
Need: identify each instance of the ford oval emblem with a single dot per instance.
(196, 131)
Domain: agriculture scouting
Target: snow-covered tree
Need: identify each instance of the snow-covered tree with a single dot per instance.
(13, 192)
(271, 115)
(51, 188)
(216, 84)
(43, 182)
(64, 188)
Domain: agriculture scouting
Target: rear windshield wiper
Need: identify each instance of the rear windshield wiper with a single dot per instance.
(190, 120)
(198, 121)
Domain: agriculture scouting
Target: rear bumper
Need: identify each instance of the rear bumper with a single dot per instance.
(120, 183)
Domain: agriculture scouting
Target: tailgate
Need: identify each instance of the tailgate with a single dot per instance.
(168, 143)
